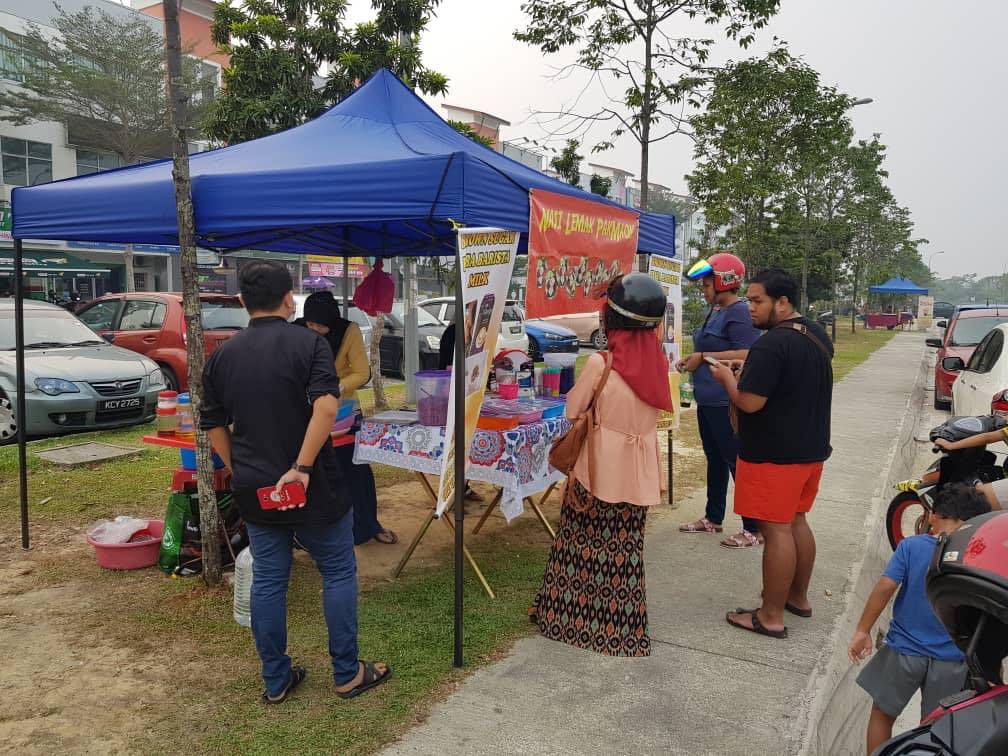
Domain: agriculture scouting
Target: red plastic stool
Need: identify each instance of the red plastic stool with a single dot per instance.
(185, 480)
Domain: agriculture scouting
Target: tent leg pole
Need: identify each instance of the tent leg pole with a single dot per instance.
(460, 462)
(346, 289)
(19, 410)
(671, 476)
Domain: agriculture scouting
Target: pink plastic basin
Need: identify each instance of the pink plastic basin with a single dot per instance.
(131, 556)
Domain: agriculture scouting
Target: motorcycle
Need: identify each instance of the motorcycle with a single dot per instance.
(967, 586)
(908, 511)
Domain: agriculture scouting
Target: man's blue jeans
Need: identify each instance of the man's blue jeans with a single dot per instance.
(332, 548)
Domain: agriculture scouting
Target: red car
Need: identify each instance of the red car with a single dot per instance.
(153, 325)
(966, 328)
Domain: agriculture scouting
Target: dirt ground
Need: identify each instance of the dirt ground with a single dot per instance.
(68, 689)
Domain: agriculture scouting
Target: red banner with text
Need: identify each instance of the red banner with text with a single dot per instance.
(574, 247)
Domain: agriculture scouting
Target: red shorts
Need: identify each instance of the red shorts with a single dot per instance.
(775, 493)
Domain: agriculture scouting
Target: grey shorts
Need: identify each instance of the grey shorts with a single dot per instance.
(892, 678)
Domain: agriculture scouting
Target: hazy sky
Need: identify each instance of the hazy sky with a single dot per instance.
(935, 70)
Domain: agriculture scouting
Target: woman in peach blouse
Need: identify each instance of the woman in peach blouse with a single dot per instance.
(593, 593)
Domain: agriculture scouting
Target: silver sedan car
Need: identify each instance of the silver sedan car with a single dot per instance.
(74, 380)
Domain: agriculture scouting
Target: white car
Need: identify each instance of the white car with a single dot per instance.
(512, 331)
(982, 385)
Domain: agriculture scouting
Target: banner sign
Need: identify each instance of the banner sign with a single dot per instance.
(668, 273)
(486, 258)
(319, 265)
(5, 222)
(574, 246)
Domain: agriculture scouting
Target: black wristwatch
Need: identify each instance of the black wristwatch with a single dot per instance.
(306, 469)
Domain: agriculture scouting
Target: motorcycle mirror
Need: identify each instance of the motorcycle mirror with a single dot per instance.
(936, 343)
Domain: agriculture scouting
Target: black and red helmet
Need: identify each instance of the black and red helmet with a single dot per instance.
(967, 586)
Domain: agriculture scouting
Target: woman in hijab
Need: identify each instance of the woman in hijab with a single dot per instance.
(593, 593)
(322, 315)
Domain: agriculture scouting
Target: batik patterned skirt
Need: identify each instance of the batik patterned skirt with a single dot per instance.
(593, 594)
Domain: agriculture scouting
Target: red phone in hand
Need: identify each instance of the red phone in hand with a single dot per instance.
(291, 495)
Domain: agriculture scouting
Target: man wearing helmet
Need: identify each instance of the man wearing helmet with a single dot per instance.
(784, 398)
(726, 334)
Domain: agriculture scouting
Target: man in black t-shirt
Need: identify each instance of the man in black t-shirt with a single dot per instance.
(783, 399)
(270, 396)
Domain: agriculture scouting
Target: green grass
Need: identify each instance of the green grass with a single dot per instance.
(851, 349)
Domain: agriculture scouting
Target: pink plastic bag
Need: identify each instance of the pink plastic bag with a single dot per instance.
(375, 293)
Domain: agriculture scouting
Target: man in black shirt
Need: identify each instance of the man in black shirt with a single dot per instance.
(783, 399)
(270, 396)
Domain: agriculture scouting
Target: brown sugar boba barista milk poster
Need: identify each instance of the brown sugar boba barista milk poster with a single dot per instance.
(486, 258)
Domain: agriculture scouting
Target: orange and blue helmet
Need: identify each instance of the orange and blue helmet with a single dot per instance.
(728, 271)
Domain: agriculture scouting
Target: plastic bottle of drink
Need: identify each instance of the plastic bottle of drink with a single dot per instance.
(185, 430)
(243, 588)
(686, 392)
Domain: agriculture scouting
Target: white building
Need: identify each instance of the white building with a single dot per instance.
(39, 152)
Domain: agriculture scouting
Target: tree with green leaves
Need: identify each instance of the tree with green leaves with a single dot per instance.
(103, 77)
(278, 47)
(638, 46)
(467, 131)
(766, 156)
(568, 163)
(600, 185)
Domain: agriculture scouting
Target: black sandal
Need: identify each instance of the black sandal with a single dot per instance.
(298, 674)
(387, 537)
(372, 679)
(757, 626)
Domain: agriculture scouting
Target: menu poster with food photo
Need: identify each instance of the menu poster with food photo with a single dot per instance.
(486, 258)
(575, 246)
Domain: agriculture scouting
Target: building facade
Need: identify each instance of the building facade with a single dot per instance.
(49, 151)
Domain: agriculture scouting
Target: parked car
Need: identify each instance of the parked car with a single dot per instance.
(153, 324)
(825, 319)
(543, 335)
(943, 310)
(74, 380)
(430, 330)
(512, 330)
(356, 315)
(980, 388)
(966, 329)
(587, 326)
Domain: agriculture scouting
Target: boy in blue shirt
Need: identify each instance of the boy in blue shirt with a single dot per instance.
(918, 653)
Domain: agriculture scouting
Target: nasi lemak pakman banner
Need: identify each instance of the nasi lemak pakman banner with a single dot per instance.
(575, 245)
(486, 258)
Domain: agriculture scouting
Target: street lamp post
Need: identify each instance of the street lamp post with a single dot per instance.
(932, 257)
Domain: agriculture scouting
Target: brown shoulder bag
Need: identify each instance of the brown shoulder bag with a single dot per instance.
(566, 450)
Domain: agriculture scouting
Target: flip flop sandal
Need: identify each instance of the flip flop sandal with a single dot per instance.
(806, 613)
(757, 626)
(298, 674)
(372, 679)
(743, 540)
(386, 537)
(703, 525)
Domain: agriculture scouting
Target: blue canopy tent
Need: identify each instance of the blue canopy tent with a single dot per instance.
(898, 285)
(380, 174)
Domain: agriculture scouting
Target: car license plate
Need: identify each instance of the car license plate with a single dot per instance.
(111, 405)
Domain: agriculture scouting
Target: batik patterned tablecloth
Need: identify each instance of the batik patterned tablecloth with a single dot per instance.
(517, 460)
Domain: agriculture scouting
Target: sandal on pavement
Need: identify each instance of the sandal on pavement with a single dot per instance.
(789, 607)
(703, 525)
(757, 626)
(372, 678)
(298, 674)
(743, 540)
(386, 536)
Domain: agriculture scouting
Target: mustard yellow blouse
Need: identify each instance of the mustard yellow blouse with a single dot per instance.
(352, 365)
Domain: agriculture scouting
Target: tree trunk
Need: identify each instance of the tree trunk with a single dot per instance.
(854, 293)
(377, 384)
(645, 125)
(128, 262)
(210, 524)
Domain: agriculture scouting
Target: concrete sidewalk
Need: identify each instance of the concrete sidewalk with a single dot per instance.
(707, 688)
